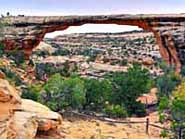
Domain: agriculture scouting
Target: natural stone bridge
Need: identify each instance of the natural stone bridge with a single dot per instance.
(25, 33)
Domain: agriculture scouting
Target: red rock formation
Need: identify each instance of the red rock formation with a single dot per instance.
(25, 33)
(23, 118)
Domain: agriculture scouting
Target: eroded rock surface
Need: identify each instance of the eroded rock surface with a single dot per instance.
(25, 119)
(25, 33)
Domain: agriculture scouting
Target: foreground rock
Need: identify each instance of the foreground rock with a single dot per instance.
(25, 119)
(46, 119)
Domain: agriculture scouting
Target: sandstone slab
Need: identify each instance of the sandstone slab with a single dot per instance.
(24, 119)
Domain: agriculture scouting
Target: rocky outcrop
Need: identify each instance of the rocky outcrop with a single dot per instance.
(22, 125)
(26, 32)
(25, 119)
(47, 120)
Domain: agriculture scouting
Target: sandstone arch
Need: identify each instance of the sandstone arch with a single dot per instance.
(25, 33)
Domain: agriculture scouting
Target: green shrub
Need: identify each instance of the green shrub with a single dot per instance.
(115, 111)
(41, 53)
(127, 87)
(173, 108)
(164, 134)
(62, 93)
(163, 104)
(138, 109)
(167, 83)
(61, 52)
(162, 107)
(1, 49)
(97, 93)
(124, 62)
(2, 25)
(162, 117)
(91, 53)
(183, 71)
(32, 92)
(177, 115)
(119, 90)
(17, 56)
(49, 69)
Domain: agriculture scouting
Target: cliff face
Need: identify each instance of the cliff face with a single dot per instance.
(25, 33)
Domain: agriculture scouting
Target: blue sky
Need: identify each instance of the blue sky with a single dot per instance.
(60, 7)
(89, 7)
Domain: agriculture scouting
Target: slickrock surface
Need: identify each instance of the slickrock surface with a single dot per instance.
(25, 119)
(26, 32)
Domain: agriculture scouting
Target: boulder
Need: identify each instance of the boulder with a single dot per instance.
(22, 125)
(25, 119)
(46, 118)
(150, 98)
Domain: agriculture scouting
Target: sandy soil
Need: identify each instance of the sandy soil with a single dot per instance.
(95, 129)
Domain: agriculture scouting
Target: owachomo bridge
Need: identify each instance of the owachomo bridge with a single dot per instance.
(26, 32)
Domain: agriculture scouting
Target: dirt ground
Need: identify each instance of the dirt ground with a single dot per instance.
(96, 129)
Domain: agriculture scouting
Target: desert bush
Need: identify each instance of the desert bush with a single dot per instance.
(164, 134)
(41, 53)
(115, 111)
(127, 87)
(62, 93)
(167, 83)
(183, 71)
(32, 92)
(178, 103)
(49, 69)
(91, 53)
(173, 109)
(1, 28)
(1, 49)
(97, 93)
(124, 62)
(17, 56)
(177, 109)
(61, 52)
(151, 40)
(137, 109)
(114, 95)
(163, 104)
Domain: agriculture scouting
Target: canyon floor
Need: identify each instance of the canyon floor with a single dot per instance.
(80, 128)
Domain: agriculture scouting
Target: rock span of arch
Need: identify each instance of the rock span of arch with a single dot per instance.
(26, 32)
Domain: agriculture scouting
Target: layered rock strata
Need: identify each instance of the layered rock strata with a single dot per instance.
(25, 33)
